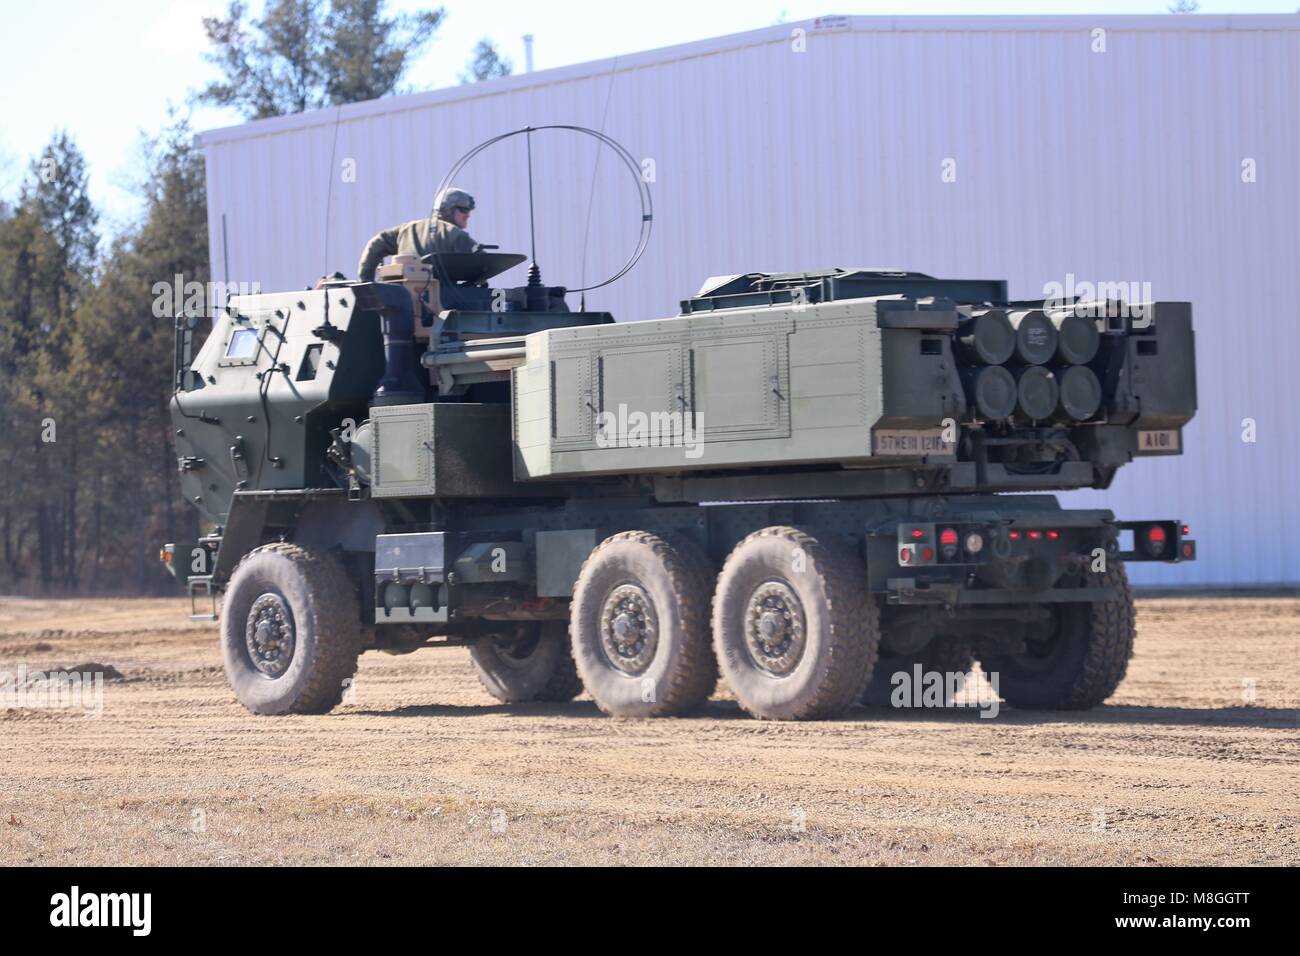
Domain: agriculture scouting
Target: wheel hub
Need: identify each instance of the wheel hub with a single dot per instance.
(515, 650)
(269, 635)
(775, 633)
(629, 628)
(1040, 650)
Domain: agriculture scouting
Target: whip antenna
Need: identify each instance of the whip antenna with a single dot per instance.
(329, 189)
(595, 170)
(629, 162)
(532, 220)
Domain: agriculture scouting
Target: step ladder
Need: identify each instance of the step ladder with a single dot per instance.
(202, 586)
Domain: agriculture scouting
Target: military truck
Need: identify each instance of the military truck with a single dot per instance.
(802, 483)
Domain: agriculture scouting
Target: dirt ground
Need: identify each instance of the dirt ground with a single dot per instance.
(420, 766)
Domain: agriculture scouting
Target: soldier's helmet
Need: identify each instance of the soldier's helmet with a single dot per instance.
(453, 198)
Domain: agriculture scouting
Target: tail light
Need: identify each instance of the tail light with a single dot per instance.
(927, 545)
(1154, 540)
(1158, 541)
(948, 543)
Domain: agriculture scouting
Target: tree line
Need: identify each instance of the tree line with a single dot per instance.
(89, 487)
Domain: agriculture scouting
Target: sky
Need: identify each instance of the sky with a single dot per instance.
(110, 71)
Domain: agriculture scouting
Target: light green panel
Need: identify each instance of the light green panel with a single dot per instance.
(771, 387)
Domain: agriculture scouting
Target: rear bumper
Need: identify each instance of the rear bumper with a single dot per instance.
(1036, 558)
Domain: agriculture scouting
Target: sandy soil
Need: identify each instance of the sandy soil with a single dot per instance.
(421, 766)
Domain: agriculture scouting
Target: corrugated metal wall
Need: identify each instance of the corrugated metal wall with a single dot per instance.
(1122, 165)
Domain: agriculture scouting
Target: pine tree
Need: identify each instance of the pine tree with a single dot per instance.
(301, 55)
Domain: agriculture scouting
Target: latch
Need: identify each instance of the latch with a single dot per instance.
(238, 459)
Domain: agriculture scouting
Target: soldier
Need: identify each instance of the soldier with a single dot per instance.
(445, 233)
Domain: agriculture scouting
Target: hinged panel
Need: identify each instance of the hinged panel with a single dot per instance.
(740, 386)
(401, 450)
(640, 379)
(572, 400)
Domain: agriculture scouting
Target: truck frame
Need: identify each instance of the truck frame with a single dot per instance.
(426, 461)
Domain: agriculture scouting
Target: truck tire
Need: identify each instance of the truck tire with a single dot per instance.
(639, 625)
(795, 632)
(1079, 659)
(943, 654)
(535, 664)
(291, 630)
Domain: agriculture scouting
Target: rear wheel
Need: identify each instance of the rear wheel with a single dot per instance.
(944, 655)
(527, 661)
(639, 625)
(291, 630)
(794, 630)
(1077, 659)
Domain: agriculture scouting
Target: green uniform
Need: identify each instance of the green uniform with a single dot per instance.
(416, 238)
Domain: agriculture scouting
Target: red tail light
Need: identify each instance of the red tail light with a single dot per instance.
(1035, 535)
(1155, 540)
(918, 533)
(948, 543)
(1054, 535)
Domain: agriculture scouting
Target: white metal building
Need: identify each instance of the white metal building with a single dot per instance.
(1157, 149)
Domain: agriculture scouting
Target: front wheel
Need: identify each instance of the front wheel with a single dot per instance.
(291, 630)
(1077, 659)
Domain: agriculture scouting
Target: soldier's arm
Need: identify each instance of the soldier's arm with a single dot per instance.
(462, 242)
(383, 244)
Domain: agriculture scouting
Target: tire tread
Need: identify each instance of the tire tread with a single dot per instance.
(336, 625)
(690, 579)
(854, 621)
